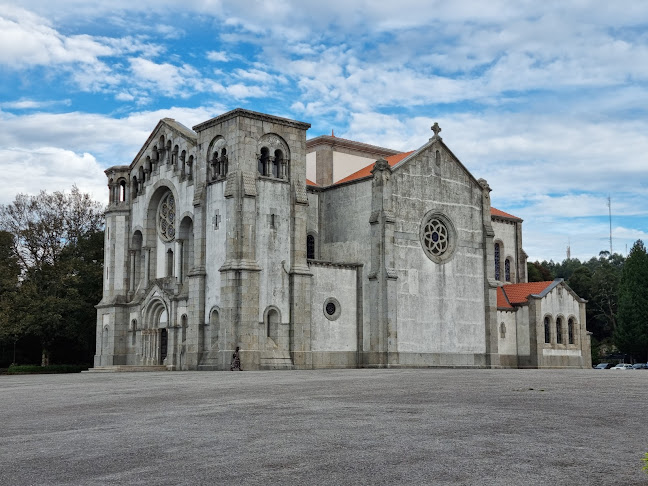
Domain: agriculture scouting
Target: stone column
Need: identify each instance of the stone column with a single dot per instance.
(196, 280)
(300, 280)
(383, 337)
(490, 284)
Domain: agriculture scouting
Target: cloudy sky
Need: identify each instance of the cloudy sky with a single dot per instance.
(545, 100)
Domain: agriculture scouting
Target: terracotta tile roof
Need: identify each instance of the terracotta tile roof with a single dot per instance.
(502, 214)
(310, 183)
(519, 293)
(501, 299)
(366, 171)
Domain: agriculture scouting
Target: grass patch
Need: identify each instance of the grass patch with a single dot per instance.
(36, 369)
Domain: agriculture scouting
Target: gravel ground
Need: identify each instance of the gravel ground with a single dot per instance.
(438, 426)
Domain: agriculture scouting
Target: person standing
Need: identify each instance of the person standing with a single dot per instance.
(236, 361)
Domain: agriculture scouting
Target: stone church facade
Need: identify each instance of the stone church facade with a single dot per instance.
(324, 253)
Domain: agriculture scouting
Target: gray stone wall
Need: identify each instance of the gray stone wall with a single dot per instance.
(440, 305)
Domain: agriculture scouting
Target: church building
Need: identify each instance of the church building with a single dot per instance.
(320, 253)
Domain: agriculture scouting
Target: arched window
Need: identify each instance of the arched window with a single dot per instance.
(507, 269)
(134, 188)
(214, 324)
(224, 162)
(263, 161)
(497, 261)
(559, 337)
(570, 331)
(277, 164)
(215, 166)
(183, 323)
(547, 329)
(272, 324)
(174, 157)
(134, 331)
(183, 163)
(190, 167)
(310, 247)
(122, 191)
(502, 328)
(169, 263)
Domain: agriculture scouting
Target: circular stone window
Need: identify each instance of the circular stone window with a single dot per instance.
(166, 217)
(438, 237)
(332, 308)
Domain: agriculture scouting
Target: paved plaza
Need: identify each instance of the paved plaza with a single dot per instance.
(405, 426)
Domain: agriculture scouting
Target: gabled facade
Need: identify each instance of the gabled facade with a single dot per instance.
(310, 254)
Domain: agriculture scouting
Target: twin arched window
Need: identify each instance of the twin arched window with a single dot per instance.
(272, 165)
(219, 164)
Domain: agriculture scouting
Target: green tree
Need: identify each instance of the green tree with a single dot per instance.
(539, 272)
(10, 330)
(631, 334)
(58, 242)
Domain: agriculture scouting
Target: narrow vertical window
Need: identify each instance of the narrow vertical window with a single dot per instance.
(310, 247)
(169, 269)
(497, 261)
(570, 331)
(507, 270)
(559, 338)
(547, 326)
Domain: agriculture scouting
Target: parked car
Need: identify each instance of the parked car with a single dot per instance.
(603, 366)
(623, 366)
(640, 366)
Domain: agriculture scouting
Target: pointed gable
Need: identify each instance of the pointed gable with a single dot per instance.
(174, 127)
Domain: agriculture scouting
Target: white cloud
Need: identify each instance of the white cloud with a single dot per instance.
(217, 56)
(49, 168)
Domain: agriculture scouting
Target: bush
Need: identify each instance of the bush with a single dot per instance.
(34, 369)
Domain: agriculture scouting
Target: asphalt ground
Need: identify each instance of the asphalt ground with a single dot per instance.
(403, 426)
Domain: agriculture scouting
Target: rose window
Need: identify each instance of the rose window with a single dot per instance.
(166, 217)
(435, 237)
(438, 237)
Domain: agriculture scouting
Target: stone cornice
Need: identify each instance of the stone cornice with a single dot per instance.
(240, 112)
(350, 145)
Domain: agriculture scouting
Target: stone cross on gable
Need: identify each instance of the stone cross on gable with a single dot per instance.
(436, 129)
(216, 220)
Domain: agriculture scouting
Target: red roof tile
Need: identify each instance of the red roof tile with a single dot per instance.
(501, 299)
(502, 214)
(366, 171)
(519, 293)
(310, 183)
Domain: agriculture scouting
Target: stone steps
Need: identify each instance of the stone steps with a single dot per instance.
(126, 368)
(280, 363)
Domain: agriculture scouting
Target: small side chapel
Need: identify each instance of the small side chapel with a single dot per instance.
(320, 253)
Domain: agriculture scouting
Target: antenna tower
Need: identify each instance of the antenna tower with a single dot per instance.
(609, 203)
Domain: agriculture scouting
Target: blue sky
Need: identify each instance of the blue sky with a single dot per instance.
(545, 100)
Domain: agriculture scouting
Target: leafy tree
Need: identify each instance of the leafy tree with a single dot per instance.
(58, 243)
(631, 334)
(10, 330)
(539, 272)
